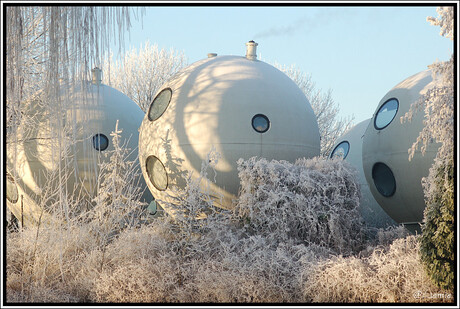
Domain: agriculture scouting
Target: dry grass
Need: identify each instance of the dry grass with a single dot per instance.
(148, 265)
(390, 274)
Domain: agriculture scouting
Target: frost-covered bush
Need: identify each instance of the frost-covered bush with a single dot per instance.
(146, 265)
(390, 274)
(201, 255)
(314, 201)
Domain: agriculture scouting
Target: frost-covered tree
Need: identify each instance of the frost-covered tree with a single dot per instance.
(50, 50)
(117, 204)
(140, 73)
(331, 126)
(47, 46)
(437, 240)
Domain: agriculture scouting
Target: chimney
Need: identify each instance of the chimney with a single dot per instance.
(251, 50)
(97, 76)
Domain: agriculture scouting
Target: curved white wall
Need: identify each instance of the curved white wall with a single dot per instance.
(370, 210)
(36, 153)
(212, 105)
(390, 146)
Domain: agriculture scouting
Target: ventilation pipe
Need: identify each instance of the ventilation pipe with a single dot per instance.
(97, 76)
(251, 49)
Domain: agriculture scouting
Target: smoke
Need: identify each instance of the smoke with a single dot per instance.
(282, 30)
(304, 24)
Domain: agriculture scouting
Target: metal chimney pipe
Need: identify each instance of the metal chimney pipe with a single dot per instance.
(97, 76)
(251, 50)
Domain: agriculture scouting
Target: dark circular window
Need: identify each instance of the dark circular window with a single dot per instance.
(11, 189)
(384, 179)
(386, 114)
(341, 150)
(260, 123)
(159, 104)
(157, 173)
(100, 142)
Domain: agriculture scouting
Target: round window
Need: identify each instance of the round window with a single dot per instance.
(11, 189)
(159, 104)
(384, 179)
(260, 123)
(157, 173)
(341, 150)
(100, 142)
(386, 114)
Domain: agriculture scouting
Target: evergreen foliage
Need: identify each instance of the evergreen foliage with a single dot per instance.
(438, 230)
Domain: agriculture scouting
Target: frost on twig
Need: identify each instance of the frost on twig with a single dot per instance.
(445, 21)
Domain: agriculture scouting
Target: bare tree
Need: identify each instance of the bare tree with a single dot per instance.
(326, 109)
(141, 73)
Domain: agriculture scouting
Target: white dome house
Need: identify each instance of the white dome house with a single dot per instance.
(92, 115)
(395, 181)
(349, 147)
(240, 106)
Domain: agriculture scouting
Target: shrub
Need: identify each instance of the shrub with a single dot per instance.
(438, 231)
(313, 201)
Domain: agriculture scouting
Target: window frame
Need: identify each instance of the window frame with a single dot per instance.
(153, 102)
(262, 116)
(152, 177)
(378, 112)
(376, 186)
(102, 135)
(336, 147)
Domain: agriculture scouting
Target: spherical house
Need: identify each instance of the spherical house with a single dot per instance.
(394, 180)
(349, 147)
(45, 150)
(239, 106)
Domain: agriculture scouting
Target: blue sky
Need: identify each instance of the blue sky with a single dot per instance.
(359, 53)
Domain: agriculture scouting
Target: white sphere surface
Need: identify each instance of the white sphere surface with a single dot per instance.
(349, 147)
(92, 115)
(220, 103)
(394, 180)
